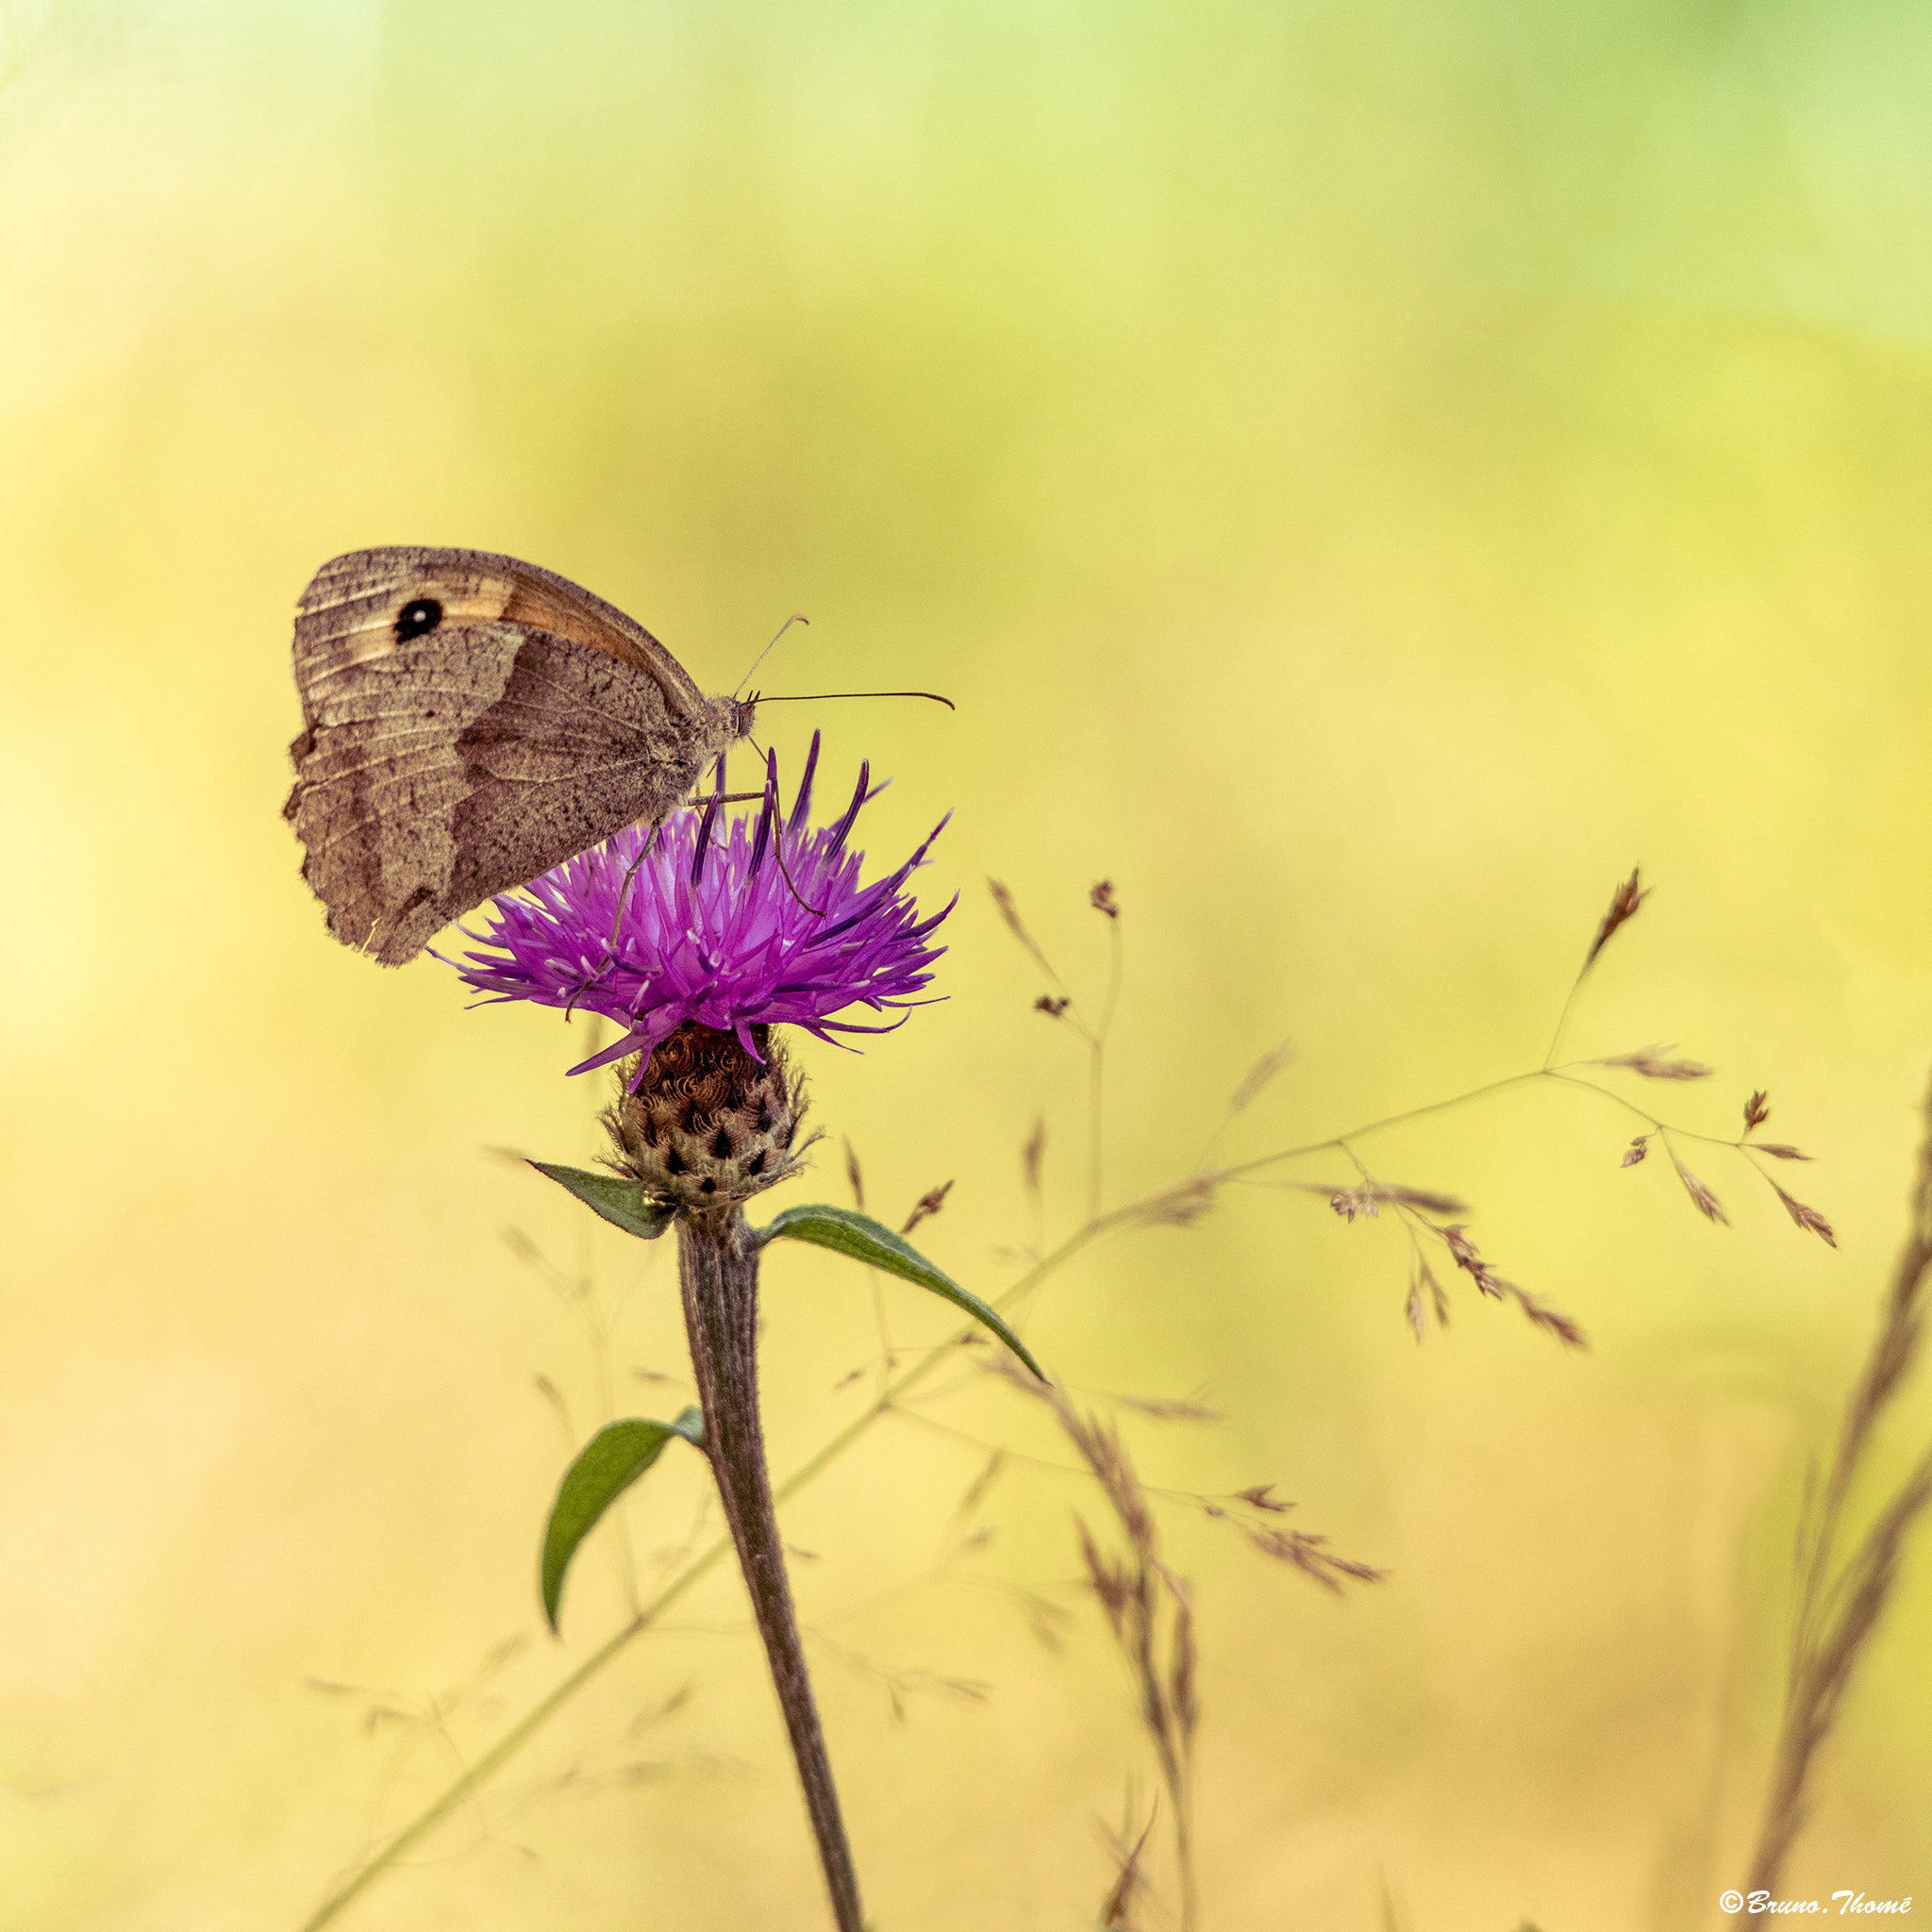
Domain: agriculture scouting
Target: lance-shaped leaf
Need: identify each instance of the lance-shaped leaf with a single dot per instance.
(622, 1202)
(610, 1461)
(847, 1232)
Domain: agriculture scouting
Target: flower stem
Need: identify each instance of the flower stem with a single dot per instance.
(718, 1270)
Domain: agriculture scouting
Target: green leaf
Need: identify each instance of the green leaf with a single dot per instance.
(610, 1461)
(620, 1203)
(847, 1232)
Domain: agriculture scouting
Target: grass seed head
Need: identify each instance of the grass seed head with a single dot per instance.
(1623, 905)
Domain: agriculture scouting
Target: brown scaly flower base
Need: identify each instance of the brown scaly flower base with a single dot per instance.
(710, 1126)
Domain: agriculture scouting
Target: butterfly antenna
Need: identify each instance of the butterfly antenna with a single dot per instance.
(813, 697)
(796, 617)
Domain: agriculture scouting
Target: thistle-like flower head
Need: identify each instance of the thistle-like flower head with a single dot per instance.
(761, 923)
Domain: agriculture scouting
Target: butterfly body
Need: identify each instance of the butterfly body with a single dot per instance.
(471, 721)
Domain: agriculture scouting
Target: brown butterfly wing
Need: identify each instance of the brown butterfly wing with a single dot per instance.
(528, 720)
(577, 746)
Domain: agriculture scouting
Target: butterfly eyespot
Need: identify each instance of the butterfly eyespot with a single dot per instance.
(417, 618)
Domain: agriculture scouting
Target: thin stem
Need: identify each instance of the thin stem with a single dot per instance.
(1338, 1142)
(717, 1271)
(1096, 1068)
(1181, 1793)
(1095, 1053)
(492, 1760)
(1563, 1018)
(1334, 1141)
(1662, 1127)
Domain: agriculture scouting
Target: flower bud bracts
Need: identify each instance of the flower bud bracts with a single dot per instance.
(709, 1126)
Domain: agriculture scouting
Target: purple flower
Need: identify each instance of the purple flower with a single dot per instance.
(768, 925)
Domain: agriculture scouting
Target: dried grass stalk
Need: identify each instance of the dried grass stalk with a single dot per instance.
(1150, 1617)
(1259, 1076)
(1181, 1205)
(1438, 1296)
(1551, 1321)
(1623, 905)
(1702, 1198)
(1017, 926)
(1116, 1908)
(1368, 1198)
(1032, 1154)
(1654, 1063)
(1164, 1409)
(1842, 1599)
(926, 1206)
(1808, 1218)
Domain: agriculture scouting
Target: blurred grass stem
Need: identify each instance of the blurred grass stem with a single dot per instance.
(1096, 1067)
(1841, 1601)
(1626, 902)
(1563, 1021)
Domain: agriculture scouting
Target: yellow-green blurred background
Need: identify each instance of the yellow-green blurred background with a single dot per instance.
(1368, 474)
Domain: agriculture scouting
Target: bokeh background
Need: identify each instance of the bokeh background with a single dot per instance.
(1368, 471)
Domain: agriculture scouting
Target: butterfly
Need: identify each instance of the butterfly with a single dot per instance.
(470, 720)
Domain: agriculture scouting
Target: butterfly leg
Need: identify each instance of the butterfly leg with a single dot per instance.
(784, 872)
